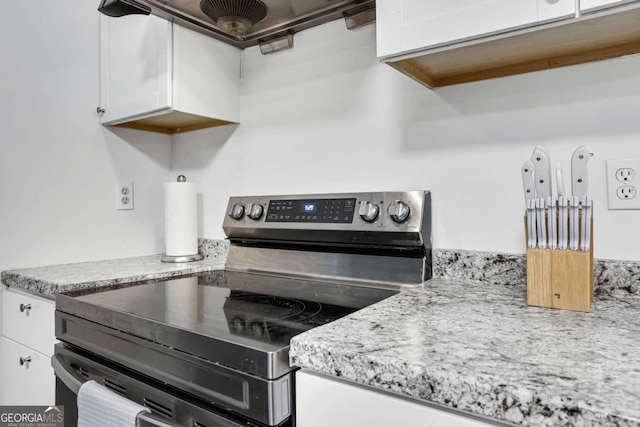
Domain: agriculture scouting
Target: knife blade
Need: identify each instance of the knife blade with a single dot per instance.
(529, 197)
(579, 190)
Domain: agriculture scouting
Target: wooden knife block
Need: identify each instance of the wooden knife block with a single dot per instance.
(560, 278)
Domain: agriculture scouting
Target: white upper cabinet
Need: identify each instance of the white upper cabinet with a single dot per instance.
(408, 25)
(440, 43)
(159, 76)
(136, 72)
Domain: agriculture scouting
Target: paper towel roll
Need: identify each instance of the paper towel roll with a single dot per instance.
(180, 219)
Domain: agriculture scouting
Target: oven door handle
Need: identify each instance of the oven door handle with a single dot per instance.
(147, 419)
(66, 374)
(73, 381)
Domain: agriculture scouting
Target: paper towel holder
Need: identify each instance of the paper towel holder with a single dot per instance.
(181, 258)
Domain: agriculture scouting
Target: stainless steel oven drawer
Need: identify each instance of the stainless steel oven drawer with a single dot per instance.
(266, 401)
(168, 409)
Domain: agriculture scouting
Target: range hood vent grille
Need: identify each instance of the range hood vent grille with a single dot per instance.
(234, 17)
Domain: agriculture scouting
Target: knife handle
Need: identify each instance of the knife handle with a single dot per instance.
(527, 181)
(579, 173)
(541, 159)
(552, 221)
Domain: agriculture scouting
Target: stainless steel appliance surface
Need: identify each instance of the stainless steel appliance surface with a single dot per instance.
(244, 23)
(212, 349)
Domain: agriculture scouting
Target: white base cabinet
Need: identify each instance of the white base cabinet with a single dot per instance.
(589, 5)
(158, 76)
(325, 402)
(26, 347)
(27, 375)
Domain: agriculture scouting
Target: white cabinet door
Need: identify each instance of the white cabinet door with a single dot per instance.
(29, 383)
(588, 5)
(29, 320)
(135, 66)
(322, 402)
(206, 76)
(409, 25)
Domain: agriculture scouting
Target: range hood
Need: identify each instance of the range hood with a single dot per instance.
(244, 23)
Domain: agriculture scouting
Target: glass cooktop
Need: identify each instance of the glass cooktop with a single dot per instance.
(191, 314)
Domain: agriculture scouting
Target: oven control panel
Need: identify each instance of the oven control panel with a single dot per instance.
(395, 211)
(311, 210)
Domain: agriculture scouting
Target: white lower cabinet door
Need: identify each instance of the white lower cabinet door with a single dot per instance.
(589, 5)
(26, 376)
(324, 402)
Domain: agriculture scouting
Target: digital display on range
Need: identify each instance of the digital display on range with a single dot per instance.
(309, 207)
(338, 211)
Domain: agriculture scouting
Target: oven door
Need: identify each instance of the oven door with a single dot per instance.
(168, 407)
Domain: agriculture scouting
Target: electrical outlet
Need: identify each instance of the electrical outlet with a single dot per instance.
(625, 174)
(124, 196)
(622, 182)
(626, 192)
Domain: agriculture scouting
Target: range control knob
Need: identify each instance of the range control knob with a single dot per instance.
(368, 211)
(254, 211)
(399, 211)
(237, 211)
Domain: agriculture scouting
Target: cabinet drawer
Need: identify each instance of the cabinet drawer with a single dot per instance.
(33, 327)
(32, 383)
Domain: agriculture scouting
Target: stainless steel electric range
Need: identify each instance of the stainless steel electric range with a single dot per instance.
(212, 349)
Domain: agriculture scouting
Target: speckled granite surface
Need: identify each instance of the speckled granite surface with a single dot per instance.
(213, 248)
(478, 347)
(53, 279)
(50, 280)
(509, 269)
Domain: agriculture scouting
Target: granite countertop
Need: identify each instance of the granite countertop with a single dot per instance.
(478, 347)
(469, 344)
(48, 281)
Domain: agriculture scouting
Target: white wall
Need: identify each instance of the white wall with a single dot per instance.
(328, 117)
(59, 166)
